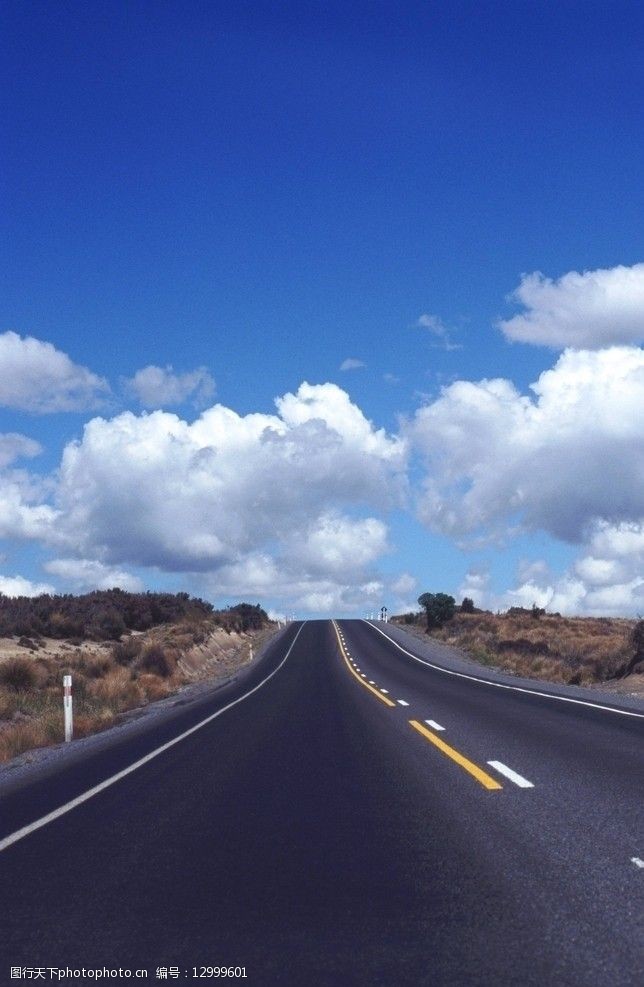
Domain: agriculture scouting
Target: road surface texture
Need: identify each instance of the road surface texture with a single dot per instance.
(359, 818)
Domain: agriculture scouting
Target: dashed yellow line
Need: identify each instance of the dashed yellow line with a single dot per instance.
(375, 692)
(481, 776)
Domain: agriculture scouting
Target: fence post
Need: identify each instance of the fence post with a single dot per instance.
(67, 706)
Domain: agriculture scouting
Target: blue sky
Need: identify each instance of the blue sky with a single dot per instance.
(253, 196)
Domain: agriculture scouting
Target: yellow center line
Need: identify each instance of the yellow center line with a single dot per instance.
(382, 698)
(481, 776)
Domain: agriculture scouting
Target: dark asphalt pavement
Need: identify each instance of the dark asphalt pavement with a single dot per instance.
(312, 835)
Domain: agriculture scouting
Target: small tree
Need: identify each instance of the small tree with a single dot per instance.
(467, 606)
(438, 607)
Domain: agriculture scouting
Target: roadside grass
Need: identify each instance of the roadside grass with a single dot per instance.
(569, 650)
(139, 669)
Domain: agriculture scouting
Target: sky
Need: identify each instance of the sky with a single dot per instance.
(324, 305)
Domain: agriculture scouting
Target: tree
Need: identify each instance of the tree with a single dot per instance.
(438, 607)
(467, 606)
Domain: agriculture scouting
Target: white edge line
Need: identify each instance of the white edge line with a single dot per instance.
(68, 806)
(502, 685)
(512, 775)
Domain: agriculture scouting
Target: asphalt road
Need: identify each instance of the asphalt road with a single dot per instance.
(338, 821)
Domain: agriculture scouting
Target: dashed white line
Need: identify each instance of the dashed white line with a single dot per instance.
(512, 775)
(362, 675)
(637, 861)
(401, 702)
(434, 725)
(371, 682)
(386, 691)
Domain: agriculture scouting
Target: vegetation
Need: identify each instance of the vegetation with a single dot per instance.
(122, 649)
(438, 607)
(536, 644)
(106, 615)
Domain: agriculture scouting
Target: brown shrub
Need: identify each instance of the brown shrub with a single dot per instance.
(18, 674)
(157, 659)
(28, 733)
(154, 687)
(117, 689)
(126, 651)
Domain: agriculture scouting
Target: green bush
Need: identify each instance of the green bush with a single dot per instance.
(438, 607)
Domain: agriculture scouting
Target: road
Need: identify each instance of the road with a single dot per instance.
(338, 821)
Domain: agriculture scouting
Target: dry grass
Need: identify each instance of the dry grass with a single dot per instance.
(573, 650)
(108, 680)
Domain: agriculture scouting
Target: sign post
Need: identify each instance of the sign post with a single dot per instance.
(67, 707)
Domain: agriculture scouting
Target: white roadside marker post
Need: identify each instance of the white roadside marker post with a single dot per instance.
(67, 707)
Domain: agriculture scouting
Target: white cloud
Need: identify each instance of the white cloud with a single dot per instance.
(159, 387)
(336, 545)
(23, 512)
(404, 584)
(155, 490)
(351, 364)
(15, 446)
(570, 456)
(19, 586)
(590, 310)
(260, 575)
(606, 579)
(36, 377)
(476, 586)
(87, 574)
(437, 328)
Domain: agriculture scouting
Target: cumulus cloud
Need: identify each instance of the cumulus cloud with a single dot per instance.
(351, 364)
(590, 310)
(19, 586)
(24, 513)
(606, 578)
(15, 446)
(161, 387)
(560, 460)
(260, 574)
(36, 377)
(336, 545)
(83, 575)
(155, 490)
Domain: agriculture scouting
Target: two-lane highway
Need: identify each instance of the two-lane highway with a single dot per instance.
(342, 817)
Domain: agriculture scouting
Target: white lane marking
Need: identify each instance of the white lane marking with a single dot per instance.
(371, 682)
(68, 806)
(637, 861)
(401, 702)
(434, 725)
(509, 773)
(362, 675)
(386, 691)
(502, 685)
